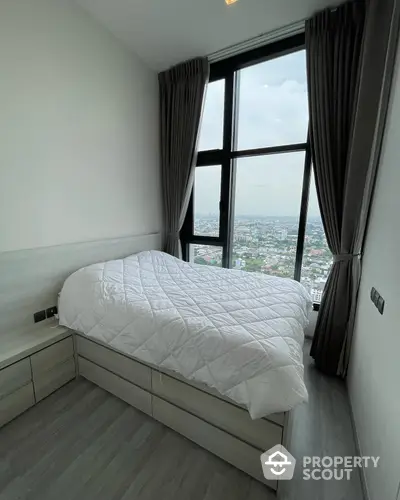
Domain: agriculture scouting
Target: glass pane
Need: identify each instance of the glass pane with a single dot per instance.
(273, 106)
(317, 258)
(267, 209)
(206, 254)
(207, 195)
(212, 124)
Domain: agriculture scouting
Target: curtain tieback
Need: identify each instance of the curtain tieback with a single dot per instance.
(173, 234)
(346, 257)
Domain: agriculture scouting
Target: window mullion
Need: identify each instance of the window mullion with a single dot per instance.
(270, 150)
(232, 166)
(226, 167)
(303, 214)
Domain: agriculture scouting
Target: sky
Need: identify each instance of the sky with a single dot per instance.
(272, 111)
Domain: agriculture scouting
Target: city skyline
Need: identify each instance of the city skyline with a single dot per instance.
(269, 245)
(278, 195)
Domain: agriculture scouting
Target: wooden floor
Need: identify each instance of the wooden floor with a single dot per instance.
(83, 443)
(322, 427)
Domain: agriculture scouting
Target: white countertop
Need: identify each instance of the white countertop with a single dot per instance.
(20, 343)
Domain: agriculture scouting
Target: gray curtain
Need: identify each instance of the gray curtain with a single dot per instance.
(347, 69)
(182, 91)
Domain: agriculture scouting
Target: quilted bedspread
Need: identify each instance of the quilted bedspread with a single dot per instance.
(240, 333)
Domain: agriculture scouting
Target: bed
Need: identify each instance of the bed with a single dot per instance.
(219, 348)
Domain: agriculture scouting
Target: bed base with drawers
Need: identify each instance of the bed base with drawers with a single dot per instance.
(193, 410)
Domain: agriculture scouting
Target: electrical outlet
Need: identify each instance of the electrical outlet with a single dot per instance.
(39, 316)
(51, 311)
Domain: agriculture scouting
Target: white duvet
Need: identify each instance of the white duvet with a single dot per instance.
(240, 333)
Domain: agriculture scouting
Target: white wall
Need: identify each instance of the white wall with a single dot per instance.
(78, 130)
(374, 378)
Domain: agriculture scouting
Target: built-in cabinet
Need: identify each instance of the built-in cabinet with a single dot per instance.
(25, 382)
(16, 390)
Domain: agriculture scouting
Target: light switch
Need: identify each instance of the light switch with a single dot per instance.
(377, 299)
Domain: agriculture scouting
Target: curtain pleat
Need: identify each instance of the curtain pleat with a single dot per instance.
(182, 90)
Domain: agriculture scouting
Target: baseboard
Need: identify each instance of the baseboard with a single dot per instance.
(363, 477)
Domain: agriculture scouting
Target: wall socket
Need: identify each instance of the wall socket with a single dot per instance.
(39, 316)
(377, 300)
(51, 311)
(45, 313)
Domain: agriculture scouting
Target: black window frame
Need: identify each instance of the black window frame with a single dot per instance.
(228, 70)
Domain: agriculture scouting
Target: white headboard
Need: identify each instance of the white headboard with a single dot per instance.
(30, 280)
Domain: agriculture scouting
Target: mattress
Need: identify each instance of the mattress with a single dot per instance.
(237, 332)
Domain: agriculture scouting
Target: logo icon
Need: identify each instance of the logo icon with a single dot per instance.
(278, 463)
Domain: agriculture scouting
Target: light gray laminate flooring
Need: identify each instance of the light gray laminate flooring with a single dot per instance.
(83, 443)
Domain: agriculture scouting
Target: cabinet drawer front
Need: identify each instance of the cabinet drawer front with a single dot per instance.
(277, 418)
(52, 356)
(15, 376)
(117, 363)
(51, 380)
(222, 444)
(16, 403)
(259, 433)
(133, 395)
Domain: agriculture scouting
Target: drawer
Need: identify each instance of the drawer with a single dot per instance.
(260, 433)
(133, 395)
(278, 418)
(222, 444)
(117, 363)
(16, 403)
(49, 381)
(15, 376)
(52, 356)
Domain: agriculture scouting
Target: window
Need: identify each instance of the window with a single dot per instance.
(273, 106)
(213, 117)
(207, 193)
(267, 208)
(253, 180)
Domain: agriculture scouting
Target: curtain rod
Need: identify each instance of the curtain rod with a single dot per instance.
(262, 39)
(258, 41)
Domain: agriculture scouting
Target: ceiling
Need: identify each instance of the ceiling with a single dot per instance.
(165, 32)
